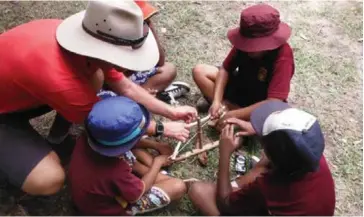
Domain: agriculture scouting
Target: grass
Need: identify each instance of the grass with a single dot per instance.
(327, 82)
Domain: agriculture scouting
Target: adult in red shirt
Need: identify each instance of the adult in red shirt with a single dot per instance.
(60, 65)
(258, 68)
(292, 178)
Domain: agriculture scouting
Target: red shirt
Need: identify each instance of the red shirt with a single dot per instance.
(97, 181)
(312, 195)
(36, 71)
(259, 79)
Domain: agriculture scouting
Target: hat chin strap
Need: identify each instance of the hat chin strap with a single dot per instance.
(117, 40)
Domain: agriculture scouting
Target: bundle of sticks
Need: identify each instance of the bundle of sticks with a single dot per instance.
(199, 147)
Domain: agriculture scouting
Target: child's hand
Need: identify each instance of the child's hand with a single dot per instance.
(162, 160)
(214, 110)
(245, 127)
(222, 121)
(176, 130)
(228, 141)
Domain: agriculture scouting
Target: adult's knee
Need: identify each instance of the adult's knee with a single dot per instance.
(46, 178)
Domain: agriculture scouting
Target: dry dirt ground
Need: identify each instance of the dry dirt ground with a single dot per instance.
(327, 43)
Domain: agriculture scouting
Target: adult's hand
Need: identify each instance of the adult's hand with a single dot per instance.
(245, 127)
(185, 113)
(176, 130)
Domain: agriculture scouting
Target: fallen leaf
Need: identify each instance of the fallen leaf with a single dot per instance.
(357, 142)
(163, 30)
(303, 36)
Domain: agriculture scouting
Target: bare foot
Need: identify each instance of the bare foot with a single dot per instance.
(203, 159)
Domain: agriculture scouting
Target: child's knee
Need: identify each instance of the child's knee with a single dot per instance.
(195, 189)
(197, 71)
(179, 188)
(169, 70)
(200, 71)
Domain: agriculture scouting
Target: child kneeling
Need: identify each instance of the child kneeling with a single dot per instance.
(104, 176)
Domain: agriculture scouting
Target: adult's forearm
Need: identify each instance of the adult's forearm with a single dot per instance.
(151, 128)
(223, 179)
(127, 88)
(220, 83)
(244, 113)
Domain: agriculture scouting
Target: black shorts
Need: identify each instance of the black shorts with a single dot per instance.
(21, 147)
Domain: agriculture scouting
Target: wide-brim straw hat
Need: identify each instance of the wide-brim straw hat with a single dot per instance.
(112, 31)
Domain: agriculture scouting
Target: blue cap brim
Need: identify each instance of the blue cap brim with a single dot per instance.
(260, 114)
(115, 151)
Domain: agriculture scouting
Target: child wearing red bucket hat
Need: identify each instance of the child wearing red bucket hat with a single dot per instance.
(259, 67)
(105, 177)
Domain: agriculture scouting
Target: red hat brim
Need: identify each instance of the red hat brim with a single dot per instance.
(147, 9)
(271, 42)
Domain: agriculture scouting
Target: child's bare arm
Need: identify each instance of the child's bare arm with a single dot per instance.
(219, 88)
(150, 178)
(221, 80)
(162, 148)
(143, 156)
(244, 113)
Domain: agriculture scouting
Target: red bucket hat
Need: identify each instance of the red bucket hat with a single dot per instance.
(260, 29)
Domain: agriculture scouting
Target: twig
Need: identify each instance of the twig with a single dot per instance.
(199, 134)
(203, 120)
(197, 151)
(175, 152)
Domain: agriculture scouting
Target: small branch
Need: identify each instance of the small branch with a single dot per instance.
(175, 152)
(197, 151)
(203, 120)
(199, 134)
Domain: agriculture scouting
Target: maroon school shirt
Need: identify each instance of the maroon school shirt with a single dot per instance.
(254, 80)
(97, 181)
(312, 195)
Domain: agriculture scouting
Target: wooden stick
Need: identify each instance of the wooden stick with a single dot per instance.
(199, 134)
(197, 151)
(175, 152)
(203, 120)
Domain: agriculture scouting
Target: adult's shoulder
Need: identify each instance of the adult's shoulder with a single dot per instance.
(33, 27)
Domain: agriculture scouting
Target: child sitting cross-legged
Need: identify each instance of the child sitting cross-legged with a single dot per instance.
(105, 177)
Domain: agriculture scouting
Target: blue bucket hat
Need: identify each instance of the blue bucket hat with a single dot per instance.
(301, 127)
(115, 125)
